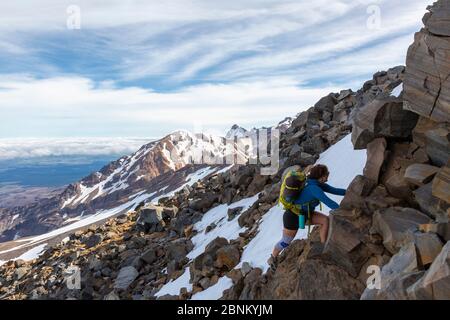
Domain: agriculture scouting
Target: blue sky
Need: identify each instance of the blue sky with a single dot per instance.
(146, 68)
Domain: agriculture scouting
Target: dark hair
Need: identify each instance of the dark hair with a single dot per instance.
(318, 171)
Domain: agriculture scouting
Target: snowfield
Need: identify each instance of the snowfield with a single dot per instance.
(224, 228)
(31, 254)
(344, 165)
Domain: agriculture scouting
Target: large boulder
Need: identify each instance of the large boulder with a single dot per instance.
(326, 103)
(204, 202)
(306, 118)
(441, 184)
(297, 277)
(178, 249)
(427, 76)
(395, 225)
(227, 257)
(252, 285)
(344, 246)
(441, 229)
(435, 283)
(398, 187)
(242, 177)
(184, 219)
(148, 221)
(257, 184)
(318, 279)
(419, 174)
(314, 145)
(357, 191)
(204, 265)
(126, 276)
(438, 145)
(379, 198)
(382, 117)
(436, 20)
(434, 138)
(341, 112)
(149, 256)
(423, 125)
(395, 277)
(428, 246)
(375, 158)
(430, 204)
(92, 240)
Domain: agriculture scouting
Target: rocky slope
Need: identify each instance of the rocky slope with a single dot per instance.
(200, 233)
(205, 240)
(394, 216)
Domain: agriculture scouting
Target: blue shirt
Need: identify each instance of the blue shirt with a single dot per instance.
(314, 192)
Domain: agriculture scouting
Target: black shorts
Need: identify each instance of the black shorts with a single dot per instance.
(290, 220)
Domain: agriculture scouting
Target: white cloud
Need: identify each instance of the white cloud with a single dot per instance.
(75, 105)
(39, 147)
(220, 62)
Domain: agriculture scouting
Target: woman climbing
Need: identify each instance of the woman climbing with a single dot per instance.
(312, 194)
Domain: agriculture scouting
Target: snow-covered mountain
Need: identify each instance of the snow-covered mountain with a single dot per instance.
(284, 124)
(171, 153)
(155, 169)
(236, 131)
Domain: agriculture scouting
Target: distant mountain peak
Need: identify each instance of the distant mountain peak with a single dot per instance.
(236, 131)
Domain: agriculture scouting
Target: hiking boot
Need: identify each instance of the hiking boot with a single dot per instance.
(273, 262)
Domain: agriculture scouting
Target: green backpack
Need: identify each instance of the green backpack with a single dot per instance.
(292, 186)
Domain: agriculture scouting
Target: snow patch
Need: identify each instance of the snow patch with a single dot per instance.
(173, 287)
(397, 90)
(259, 249)
(344, 164)
(225, 169)
(214, 292)
(224, 228)
(33, 253)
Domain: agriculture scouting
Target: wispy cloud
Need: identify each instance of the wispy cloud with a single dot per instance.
(179, 41)
(140, 68)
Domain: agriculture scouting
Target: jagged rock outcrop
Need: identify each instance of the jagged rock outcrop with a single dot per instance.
(383, 117)
(416, 233)
(396, 216)
(435, 283)
(427, 77)
(394, 225)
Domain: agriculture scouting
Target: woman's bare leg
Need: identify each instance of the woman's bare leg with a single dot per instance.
(323, 221)
(288, 233)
